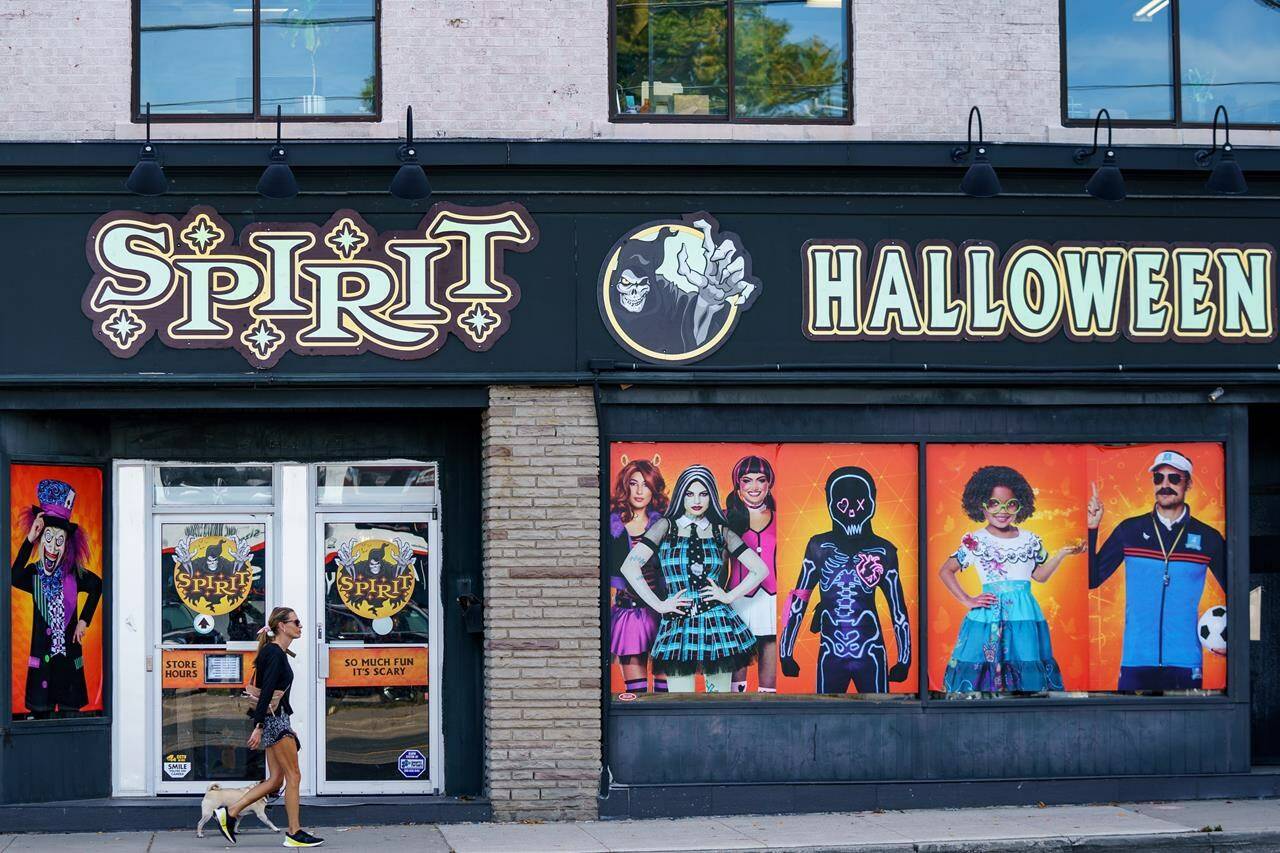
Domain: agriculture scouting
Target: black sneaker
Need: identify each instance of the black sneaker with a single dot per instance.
(302, 838)
(226, 823)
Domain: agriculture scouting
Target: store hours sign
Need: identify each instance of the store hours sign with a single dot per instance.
(337, 289)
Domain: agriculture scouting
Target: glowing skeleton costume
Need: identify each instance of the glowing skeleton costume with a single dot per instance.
(848, 564)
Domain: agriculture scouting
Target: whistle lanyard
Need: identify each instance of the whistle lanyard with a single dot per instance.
(1167, 554)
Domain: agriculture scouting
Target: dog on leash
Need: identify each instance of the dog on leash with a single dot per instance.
(216, 796)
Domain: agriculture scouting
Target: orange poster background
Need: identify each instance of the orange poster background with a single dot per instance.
(359, 667)
(1125, 488)
(87, 513)
(1059, 479)
(801, 473)
(195, 657)
(1086, 627)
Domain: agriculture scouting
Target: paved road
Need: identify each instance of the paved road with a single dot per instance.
(1245, 825)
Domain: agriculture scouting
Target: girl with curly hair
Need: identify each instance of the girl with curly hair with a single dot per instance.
(639, 499)
(1004, 644)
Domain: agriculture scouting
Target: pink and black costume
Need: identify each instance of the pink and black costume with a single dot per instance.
(633, 623)
(848, 564)
(759, 608)
(55, 668)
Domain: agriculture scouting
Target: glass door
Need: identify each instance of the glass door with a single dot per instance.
(212, 571)
(377, 584)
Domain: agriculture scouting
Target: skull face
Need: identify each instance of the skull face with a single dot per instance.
(851, 499)
(632, 291)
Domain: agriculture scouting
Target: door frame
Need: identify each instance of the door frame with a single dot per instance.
(433, 782)
(266, 517)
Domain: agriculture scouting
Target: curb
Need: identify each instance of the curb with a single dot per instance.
(1183, 842)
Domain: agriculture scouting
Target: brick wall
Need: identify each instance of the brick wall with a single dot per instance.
(541, 516)
(523, 69)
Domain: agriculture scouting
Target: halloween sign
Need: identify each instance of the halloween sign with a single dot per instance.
(335, 289)
(672, 291)
(376, 577)
(213, 575)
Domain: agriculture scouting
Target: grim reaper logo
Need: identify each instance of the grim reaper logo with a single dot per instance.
(671, 292)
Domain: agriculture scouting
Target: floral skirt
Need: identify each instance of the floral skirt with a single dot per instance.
(1004, 648)
(276, 728)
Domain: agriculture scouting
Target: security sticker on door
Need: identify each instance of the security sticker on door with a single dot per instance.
(412, 764)
(177, 765)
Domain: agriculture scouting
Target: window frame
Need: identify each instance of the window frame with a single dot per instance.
(137, 110)
(729, 117)
(1175, 58)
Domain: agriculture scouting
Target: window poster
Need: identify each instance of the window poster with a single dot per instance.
(56, 616)
(763, 568)
(1065, 568)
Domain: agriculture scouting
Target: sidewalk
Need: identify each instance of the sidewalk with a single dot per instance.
(1245, 825)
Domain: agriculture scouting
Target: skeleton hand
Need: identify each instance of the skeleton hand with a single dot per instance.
(899, 671)
(789, 667)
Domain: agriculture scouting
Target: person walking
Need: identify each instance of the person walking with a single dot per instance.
(272, 682)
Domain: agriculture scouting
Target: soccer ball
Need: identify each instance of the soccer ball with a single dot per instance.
(1212, 630)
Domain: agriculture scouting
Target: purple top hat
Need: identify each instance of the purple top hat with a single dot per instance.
(56, 500)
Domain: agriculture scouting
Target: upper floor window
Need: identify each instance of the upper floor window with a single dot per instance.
(239, 59)
(731, 60)
(1171, 62)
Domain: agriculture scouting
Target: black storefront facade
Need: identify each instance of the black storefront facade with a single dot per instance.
(869, 316)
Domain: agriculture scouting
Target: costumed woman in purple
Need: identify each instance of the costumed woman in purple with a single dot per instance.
(752, 512)
(699, 630)
(54, 579)
(639, 499)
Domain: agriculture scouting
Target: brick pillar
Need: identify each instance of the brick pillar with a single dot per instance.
(541, 519)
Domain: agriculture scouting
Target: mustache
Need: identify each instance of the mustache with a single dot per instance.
(1165, 492)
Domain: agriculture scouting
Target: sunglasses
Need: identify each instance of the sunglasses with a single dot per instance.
(297, 622)
(1159, 477)
(1011, 505)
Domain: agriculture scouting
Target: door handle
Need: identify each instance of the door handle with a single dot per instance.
(472, 613)
(322, 661)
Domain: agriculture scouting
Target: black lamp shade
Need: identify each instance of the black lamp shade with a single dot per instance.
(410, 182)
(277, 179)
(980, 180)
(147, 177)
(1107, 183)
(1226, 177)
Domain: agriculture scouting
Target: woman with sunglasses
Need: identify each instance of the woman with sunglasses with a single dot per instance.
(1004, 644)
(272, 683)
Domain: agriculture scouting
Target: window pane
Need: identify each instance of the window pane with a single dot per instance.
(1119, 57)
(203, 719)
(213, 590)
(362, 485)
(672, 57)
(1229, 59)
(318, 57)
(213, 485)
(789, 59)
(196, 56)
(376, 585)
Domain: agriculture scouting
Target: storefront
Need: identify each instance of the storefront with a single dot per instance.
(436, 432)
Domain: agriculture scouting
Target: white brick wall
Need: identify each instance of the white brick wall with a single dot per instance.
(539, 69)
(541, 516)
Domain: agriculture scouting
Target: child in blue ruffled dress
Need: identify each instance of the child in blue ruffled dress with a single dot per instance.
(1004, 644)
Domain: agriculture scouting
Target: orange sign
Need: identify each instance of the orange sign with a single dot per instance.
(195, 669)
(378, 667)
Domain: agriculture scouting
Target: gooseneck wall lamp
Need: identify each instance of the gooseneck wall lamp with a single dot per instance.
(277, 179)
(410, 181)
(1226, 177)
(147, 177)
(980, 180)
(1107, 183)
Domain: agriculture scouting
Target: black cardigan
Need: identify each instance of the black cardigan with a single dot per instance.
(271, 673)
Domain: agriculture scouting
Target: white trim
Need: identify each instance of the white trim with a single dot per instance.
(294, 585)
(130, 627)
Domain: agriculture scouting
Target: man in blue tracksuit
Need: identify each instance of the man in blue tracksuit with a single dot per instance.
(1165, 554)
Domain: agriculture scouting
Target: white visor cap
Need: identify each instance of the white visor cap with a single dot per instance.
(1173, 459)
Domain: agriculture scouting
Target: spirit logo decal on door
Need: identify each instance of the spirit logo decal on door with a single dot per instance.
(337, 289)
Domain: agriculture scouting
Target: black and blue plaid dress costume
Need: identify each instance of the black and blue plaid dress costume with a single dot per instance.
(710, 635)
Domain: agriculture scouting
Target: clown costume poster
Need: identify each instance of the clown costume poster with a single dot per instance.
(56, 572)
